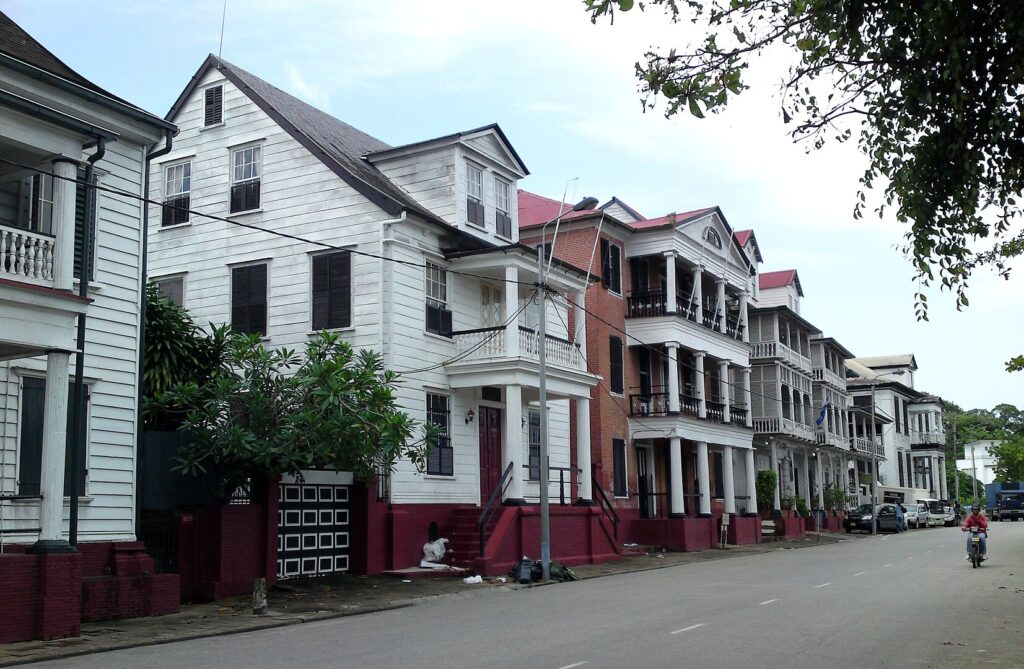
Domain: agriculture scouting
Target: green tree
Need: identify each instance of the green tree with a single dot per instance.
(932, 90)
(177, 351)
(1010, 460)
(764, 486)
(273, 411)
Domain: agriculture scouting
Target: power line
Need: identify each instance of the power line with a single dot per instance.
(213, 217)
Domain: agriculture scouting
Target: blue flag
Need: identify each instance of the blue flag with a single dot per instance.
(821, 414)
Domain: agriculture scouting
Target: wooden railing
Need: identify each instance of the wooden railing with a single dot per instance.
(826, 438)
(26, 256)
(864, 445)
(715, 411)
(489, 343)
(689, 404)
(492, 501)
(649, 404)
(783, 426)
(605, 504)
(738, 415)
(646, 304)
(775, 349)
(828, 376)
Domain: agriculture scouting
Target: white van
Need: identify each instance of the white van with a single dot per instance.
(936, 511)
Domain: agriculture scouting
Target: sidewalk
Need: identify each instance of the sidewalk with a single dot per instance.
(294, 602)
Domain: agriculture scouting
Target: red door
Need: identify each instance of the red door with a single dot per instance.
(490, 451)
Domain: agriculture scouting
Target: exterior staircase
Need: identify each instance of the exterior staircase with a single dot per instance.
(464, 537)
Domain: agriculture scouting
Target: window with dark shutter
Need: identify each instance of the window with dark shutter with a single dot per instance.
(619, 486)
(332, 291)
(441, 455)
(617, 380)
(615, 268)
(719, 478)
(245, 178)
(81, 217)
(438, 316)
(249, 299)
(534, 438)
(606, 267)
(213, 107)
(33, 397)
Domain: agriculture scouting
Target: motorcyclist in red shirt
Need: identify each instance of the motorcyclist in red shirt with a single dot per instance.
(976, 519)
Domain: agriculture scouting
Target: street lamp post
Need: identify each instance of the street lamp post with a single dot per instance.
(542, 389)
(874, 465)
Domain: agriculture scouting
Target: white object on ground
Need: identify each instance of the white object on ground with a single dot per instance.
(473, 579)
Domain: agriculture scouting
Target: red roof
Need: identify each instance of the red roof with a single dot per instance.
(742, 236)
(778, 279)
(670, 219)
(536, 210)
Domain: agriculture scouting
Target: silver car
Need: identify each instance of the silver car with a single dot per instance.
(916, 514)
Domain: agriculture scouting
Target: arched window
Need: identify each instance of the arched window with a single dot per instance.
(711, 237)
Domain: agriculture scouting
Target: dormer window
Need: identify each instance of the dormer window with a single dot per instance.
(474, 195)
(503, 207)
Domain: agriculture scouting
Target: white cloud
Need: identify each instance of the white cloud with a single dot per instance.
(315, 95)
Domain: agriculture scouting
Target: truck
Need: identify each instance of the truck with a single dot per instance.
(1009, 505)
(1004, 500)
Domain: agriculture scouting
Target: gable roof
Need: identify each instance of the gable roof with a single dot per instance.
(671, 220)
(24, 53)
(628, 209)
(456, 137)
(902, 360)
(335, 143)
(780, 279)
(744, 236)
(536, 210)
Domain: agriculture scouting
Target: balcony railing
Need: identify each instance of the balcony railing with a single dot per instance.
(26, 256)
(826, 438)
(715, 411)
(927, 437)
(650, 404)
(829, 377)
(864, 445)
(690, 405)
(652, 304)
(738, 415)
(775, 349)
(787, 426)
(489, 343)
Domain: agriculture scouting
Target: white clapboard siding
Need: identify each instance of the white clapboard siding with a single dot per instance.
(107, 512)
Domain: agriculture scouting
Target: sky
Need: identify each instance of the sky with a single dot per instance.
(564, 92)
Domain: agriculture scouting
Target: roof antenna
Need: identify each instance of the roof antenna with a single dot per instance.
(223, 15)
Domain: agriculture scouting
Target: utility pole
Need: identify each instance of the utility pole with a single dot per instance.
(974, 476)
(874, 465)
(956, 470)
(542, 388)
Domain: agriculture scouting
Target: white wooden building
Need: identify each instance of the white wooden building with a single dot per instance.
(52, 120)
(410, 251)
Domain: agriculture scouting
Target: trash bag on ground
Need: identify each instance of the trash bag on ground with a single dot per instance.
(530, 571)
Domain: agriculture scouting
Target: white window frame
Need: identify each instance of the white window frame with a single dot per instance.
(171, 277)
(492, 299)
(472, 169)
(435, 283)
(184, 181)
(257, 163)
(499, 185)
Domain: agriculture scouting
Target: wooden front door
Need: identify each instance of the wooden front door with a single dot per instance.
(644, 483)
(490, 451)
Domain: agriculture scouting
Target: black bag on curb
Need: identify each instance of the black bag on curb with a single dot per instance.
(530, 571)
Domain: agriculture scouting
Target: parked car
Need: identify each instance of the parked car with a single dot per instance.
(884, 516)
(936, 511)
(949, 518)
(916, 514)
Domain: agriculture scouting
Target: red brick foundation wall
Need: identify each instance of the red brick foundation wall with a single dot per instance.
(42, 596)
(744, 530)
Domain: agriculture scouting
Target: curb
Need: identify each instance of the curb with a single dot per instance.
(397, 604)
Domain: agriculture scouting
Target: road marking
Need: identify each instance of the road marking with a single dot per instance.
(887, 565)
(860, 573)
(910, 557)
(928, 551)
(768, 602)
(822, 585)
(687, 629)
(570, 666)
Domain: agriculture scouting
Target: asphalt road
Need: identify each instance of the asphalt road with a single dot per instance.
(909, 600)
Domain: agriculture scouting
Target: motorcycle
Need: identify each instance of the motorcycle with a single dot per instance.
(976, 558)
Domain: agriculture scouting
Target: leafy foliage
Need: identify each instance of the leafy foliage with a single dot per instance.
(933, 90)
(1010, 460)
(177, 351)
(270, 412)
(765, 487)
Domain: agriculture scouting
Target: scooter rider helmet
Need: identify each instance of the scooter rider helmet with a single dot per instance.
(976, 507)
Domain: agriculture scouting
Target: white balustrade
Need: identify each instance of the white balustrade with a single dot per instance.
(489, 343)
(26, 256)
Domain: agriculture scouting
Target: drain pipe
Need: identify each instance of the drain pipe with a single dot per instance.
(140, 452)
(85, 270)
